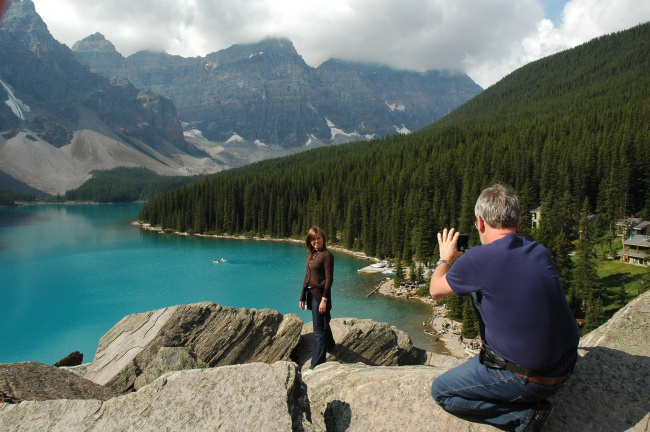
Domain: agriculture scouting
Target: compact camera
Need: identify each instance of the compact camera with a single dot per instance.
(463, 243)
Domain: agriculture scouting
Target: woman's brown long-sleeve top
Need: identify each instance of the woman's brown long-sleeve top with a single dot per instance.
(319, 276)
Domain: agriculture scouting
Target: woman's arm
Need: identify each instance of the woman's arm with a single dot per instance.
(328, 265)
(303, 292)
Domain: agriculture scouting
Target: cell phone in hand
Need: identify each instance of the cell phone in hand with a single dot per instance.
(463, 243)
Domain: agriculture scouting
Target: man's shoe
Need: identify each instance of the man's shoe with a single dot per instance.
(542, 413)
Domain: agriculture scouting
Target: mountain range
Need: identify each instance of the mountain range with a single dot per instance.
(176, 116)
(266, 93)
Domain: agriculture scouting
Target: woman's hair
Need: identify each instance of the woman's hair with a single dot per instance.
(498, 206)
(313, 231)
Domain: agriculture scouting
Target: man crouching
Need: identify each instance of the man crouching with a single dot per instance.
(529, 334)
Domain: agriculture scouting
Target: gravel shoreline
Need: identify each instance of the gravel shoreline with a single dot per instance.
(444, 329)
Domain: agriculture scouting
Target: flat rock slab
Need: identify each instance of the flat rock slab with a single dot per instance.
(252, 397)
(37, 381)
(213, 335)
(359, 397)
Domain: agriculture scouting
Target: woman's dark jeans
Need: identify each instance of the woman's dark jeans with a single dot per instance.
(323, 339)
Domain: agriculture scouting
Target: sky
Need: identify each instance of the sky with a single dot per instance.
(486, 39)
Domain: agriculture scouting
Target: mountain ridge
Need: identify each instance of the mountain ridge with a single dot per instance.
(64, 121)
(61, 121)
(265, 92)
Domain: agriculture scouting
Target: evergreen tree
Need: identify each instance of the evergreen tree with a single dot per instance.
(594, 315)
(585, 276)
(470, 322)
(413, 275)
(526, 204)
(621, 297)
(427, 233)
(454, 307)
(399, 273)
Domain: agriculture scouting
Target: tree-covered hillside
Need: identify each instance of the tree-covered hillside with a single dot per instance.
(570, 127)
(124, 184)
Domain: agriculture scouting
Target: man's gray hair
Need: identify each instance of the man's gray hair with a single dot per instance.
(498, 206)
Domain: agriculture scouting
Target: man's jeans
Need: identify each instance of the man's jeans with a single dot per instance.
(494, 396)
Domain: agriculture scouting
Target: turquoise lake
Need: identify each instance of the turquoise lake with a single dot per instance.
(68, 273)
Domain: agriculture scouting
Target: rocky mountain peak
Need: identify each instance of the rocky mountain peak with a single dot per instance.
(269, 48)
(265, 92)
(94, 42)
(66, 115)
(23, 20)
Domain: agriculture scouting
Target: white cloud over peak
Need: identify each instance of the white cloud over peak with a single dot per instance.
(486, 39)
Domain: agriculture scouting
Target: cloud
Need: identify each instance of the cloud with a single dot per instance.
(486, 39)
(580, 21)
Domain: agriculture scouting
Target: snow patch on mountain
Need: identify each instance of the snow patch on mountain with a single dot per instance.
(260, 143)
(336, 132)
(235, 138)
(402, 130)
(313, 141)
(194, 133)
(395, 107)
(17, 106)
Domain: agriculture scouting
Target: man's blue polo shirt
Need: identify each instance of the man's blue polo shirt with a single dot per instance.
(521, 301)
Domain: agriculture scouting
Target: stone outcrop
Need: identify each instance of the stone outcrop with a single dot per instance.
(358, 397)
(213, 335)
(252, 397)
(609, 391)
(628, 330)
(73, 359)
(364, 341)
(168, 359)
(31, 381)
(610, 387)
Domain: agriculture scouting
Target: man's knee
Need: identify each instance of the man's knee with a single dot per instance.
(437, 392)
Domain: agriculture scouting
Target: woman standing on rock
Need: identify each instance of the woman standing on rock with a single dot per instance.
(316, 293)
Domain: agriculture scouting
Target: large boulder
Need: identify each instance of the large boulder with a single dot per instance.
(214, 335)
(168, 359)
(359, 397)
(38, 382)
(610, 387)
(251, 397)
(364, 341)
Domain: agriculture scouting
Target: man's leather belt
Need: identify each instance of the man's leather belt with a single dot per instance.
(492, 360)
(543, 380)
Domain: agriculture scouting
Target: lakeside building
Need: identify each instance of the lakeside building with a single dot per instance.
(635, 234)
(535, 216)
